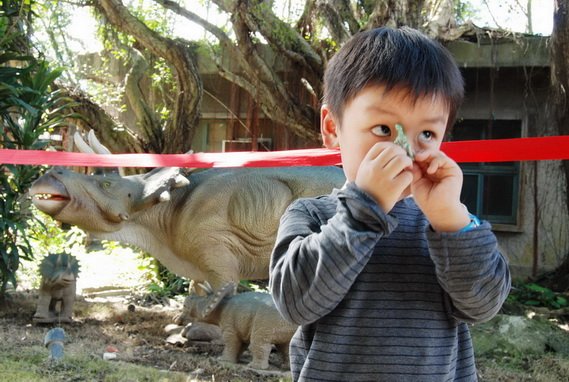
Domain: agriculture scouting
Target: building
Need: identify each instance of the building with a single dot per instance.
(507, 83)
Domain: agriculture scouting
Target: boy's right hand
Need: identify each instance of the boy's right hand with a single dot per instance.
(385, 173)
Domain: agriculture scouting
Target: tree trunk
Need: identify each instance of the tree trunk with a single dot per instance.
(560, 73)
(178, 134)
(560, 84)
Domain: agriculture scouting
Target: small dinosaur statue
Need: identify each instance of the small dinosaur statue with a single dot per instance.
(59, 273)
(401, 140)
(244, 318)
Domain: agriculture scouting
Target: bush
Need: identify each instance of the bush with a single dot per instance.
(29, 108)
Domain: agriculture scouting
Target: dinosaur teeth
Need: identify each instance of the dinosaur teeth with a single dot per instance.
(46, 196)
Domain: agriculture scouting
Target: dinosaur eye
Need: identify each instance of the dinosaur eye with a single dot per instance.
(106, 185)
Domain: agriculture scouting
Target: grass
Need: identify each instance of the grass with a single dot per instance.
(32, 365)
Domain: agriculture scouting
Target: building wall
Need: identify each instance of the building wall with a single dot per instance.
(540, 240)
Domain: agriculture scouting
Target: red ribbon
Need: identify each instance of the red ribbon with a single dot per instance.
(495, 150)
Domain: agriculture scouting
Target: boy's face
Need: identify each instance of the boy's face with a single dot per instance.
(370, 117)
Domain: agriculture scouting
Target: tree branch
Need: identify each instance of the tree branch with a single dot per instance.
(179, 133)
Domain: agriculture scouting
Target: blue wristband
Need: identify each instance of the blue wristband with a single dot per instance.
(474, 222)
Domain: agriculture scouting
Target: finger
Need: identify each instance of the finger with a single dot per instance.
(390, 153)
(424, 155)
(376, 150)
(417, 172)
(432, 161)
(403, 180)
(435, 165)
(398, 163)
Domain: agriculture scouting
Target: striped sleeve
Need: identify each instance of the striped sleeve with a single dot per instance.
(315, 261)
(472, 271)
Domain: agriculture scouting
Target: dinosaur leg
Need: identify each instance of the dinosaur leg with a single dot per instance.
(221, 268)
(260, 350)
(42, 312)
(68, 299)
(233, 347)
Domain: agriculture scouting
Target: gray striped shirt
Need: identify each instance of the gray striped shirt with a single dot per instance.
(381, 297)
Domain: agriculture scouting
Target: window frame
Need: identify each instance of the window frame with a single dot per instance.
(491, 169)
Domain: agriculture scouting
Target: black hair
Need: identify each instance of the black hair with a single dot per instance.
(402, 57)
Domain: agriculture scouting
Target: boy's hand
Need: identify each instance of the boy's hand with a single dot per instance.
(385, 173)
(436, 186)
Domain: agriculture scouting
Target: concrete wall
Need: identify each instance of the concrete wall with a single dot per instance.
(540, 241)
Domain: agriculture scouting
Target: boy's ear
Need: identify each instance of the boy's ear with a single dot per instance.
(328, 128)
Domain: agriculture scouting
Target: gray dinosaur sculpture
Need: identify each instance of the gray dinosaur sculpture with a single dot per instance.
(244, 318)
(58, 285)
(217, 225)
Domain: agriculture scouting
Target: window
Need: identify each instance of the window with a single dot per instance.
(490, 190)
(209, 136)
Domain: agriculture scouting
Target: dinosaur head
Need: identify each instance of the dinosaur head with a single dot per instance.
(59, 270)
(101, 203)
(200, 308)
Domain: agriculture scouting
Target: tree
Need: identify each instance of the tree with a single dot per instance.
(29, 107)
(560, 83)
(177, 134)
(257, 35)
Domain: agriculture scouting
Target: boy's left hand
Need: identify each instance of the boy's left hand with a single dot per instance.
(436, 187)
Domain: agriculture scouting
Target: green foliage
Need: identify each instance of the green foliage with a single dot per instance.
(162, 282)
(464, 11)
(532, 294)
(46, 236)
(29, 108)
(257, 286)
(31, 365)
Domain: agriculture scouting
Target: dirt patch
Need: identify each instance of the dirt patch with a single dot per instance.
(107, 315)
(136, 332)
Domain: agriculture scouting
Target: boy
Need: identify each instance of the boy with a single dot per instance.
(384, 275)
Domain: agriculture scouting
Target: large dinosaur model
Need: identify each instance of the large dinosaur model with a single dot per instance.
(57, 289)
(244, 318)
(217, 225)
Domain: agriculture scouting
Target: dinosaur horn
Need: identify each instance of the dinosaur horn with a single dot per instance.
(157, 185)
(207, 286)
(81, 145)
(96, 145)
(214, 299)
(93, 146)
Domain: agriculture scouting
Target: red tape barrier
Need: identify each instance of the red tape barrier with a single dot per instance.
(496, 150)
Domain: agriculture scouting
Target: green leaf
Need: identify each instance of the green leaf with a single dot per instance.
(532, 303)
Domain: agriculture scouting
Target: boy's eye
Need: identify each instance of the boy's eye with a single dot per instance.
(427, 135)
(381, 131)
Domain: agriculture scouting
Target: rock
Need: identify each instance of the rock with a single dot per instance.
(519, 335)
(176, 339)
(201, 331)
(173, 328)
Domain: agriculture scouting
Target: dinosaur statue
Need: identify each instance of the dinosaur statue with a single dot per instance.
(217, 225)
(58, 284)
(244, 318)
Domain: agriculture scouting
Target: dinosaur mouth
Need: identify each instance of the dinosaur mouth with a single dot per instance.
(57, 197)
(49, 195)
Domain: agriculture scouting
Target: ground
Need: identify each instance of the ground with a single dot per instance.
(109, 316)
(109, 312)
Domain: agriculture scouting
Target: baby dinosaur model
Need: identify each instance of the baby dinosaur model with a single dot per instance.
(58, 284)
(403, 141)
(244, 318)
